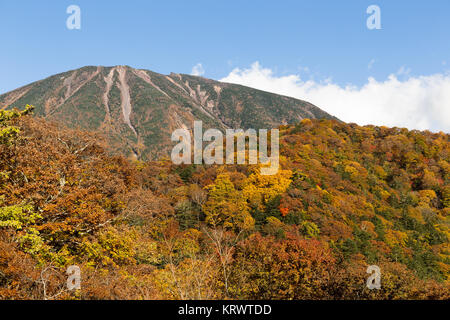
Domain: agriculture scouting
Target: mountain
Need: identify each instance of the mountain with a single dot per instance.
(137, 110)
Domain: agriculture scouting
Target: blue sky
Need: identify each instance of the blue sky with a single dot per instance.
(315, 40)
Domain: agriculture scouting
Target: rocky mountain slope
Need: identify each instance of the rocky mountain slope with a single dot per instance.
(137, 110)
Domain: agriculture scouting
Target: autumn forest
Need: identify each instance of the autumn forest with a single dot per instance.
(345, 197)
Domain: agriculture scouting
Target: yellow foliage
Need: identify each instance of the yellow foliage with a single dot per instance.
(379, 171)
(425, 197)
(446, 196)
(416, 214)
(227, 206)
(394, 237)
(112, 247)
(258, 189)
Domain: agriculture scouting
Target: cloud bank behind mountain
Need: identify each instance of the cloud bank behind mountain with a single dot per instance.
(421, 102)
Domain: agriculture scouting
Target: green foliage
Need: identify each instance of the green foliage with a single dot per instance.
(186, 172)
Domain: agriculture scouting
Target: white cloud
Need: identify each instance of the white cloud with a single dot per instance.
(371, 63)
(421, 102)
(198, 70)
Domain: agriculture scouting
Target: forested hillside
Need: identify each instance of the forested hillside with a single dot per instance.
(345, 197)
